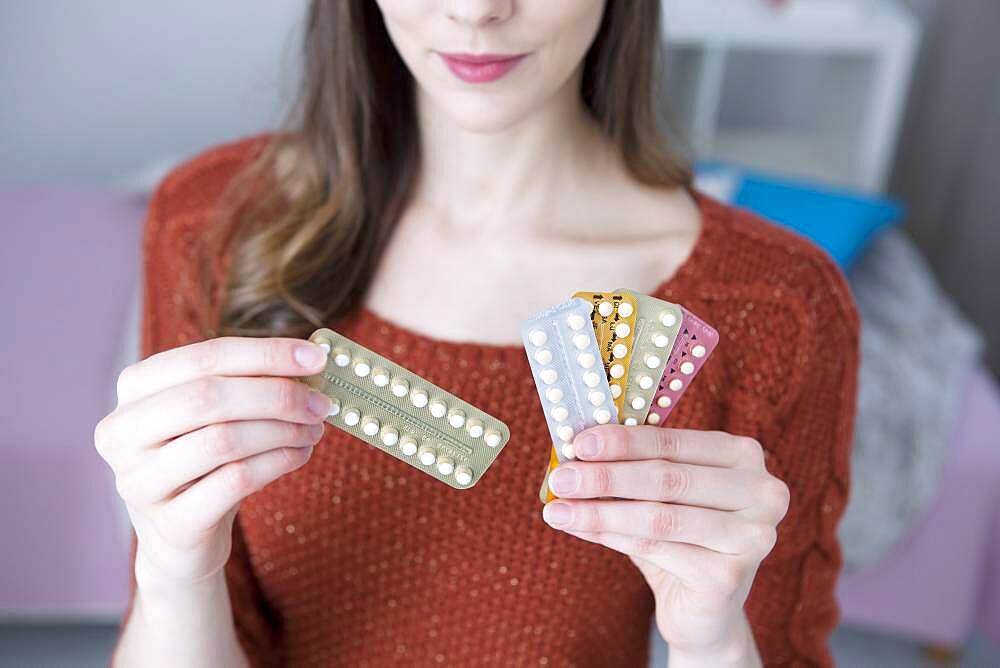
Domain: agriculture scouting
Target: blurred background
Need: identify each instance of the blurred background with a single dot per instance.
(871, 126)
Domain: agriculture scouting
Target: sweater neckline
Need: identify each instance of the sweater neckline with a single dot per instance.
(399, 337)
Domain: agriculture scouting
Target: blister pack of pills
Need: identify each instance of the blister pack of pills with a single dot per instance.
(613, 316)
(656, 325)
(404, 415)
(692, 347)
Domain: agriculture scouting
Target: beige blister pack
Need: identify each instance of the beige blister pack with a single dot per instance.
(404, 415)
(656, 327)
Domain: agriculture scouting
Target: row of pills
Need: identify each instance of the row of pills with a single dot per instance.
(694, 343)
(657, 324)
(613, 318)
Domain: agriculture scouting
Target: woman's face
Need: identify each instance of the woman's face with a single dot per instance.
(489, 63)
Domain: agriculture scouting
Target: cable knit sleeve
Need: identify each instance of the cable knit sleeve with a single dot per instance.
(172, 317)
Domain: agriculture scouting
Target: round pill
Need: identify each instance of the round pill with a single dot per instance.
(456, 419)
(653, 418)
(605, 308)
(390, 436)
(324, 344)
(616, 390)
(631, 422)
(698, 350)
(624, 310)
(602, 415)
(362, 368)
(568, 451)
(370, 426)
(352, 417)
(341, 358)
(559, 413)
(619, 351)
(663, 401)
(591, 379)
(438, 408)
(475, 428)
(581, 341)
(400, 387)
(492, 438)
(575, 322)
(668, 319)
(676, 384)
(638, 403)
(537, 337)
(652, 361)
(687, 368)
(463, 475)
(426, 455)
(548, 376)
(622, 330)
(418, 398)
(645, 382)
(586, 360)
(408, 445)
(617, 370)
(380, 377)
(543, 355)
(446, 466)
(565, 432)
(660, 340)
(596, 398)
(554, 394)
(334, 407)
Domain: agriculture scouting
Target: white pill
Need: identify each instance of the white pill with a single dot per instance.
(456, 419)
(418, 398)
(638, 403)
(475, 428)
(325, 346)
(463, 475)
(619, 351)
(492, 438)
(668, 319)
(624, 309)
(586, 360)
(576, 322)
(687, 368)
(438, 408)
(548, 376)
(537, 337)
(676, 384)
(617, 370)
(362, 368)
(370, 426)
(652, 361)
(602, 416)
(352, 417)
(341, 358)
(591, 379)
(596, 398)
(390, 436)
(663, 401)
(653, 418)
(616, 390)
(660, 340)
(622, 330)
(645, 382)
(559, 413)
(408, 445)
(581, 341)
(543, 356)
(605, 308)
(380, 378)
(400, 387)
(565, 432)
(334, 407)
(631, 421)
(446, 466)
(554, 394)
(427, 456)
(568, 451)
(698, 350)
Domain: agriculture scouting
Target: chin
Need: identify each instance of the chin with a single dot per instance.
(482, 112)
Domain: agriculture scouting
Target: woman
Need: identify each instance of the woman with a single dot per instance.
(423, 203)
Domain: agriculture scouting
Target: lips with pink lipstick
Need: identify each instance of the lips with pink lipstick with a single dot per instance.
(480, 68)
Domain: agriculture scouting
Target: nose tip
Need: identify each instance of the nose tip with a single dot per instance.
(479, 12)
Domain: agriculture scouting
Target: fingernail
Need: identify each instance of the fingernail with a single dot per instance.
(587, 445)
(309, 355)
(557, 514)
(564, 481)
(319, 403)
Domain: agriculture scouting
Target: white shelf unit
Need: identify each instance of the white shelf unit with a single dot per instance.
(815, 89)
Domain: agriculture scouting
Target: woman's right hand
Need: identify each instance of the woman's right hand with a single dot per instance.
(199, 428)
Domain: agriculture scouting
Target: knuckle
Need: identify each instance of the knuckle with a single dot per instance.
(602, 480)
(765, 536)
(288, 399)
(644, 545)
(731, 575)
(203, 396)
(274, 353)
(101, 437)
(668, 443)
(237, 479)
(204, 356)
(123, 385)
(662, 523)
(672, 481)
(751, 449)
(220, 441)
(778, 494)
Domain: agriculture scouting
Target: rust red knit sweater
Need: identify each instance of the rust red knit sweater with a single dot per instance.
(356, 559)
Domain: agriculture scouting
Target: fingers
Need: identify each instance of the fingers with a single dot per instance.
(716, 530)
(224, 356)
(185, 459)
(686, 446)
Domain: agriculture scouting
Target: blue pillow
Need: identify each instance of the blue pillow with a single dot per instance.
(840, 221)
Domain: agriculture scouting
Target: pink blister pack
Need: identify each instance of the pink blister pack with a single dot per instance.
(694, 344)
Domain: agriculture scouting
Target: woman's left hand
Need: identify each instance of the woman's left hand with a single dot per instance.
(696, 511)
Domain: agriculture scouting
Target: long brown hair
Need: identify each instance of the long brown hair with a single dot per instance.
(307, 221)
